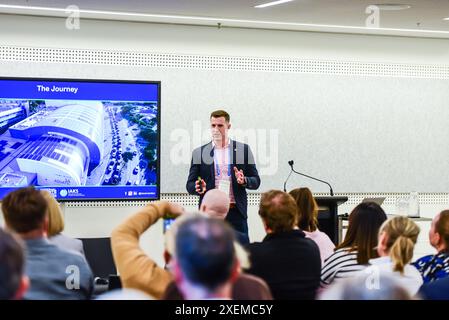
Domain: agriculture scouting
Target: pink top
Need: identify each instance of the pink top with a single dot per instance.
(223, 157)
(324, 243)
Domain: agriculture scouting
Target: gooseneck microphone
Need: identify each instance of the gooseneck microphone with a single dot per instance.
(291, 171)
(290, 163)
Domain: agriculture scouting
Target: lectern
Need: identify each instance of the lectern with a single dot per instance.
(328, 215)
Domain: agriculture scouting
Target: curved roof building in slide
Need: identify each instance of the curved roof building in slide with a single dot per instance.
(56, 160)
(67, 137)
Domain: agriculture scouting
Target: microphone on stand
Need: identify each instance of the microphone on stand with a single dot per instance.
(291, 171)
(290, 163)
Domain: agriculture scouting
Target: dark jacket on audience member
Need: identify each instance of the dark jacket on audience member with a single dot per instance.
(56, 274)
(436, 290)
(246, 287)
(289, 262)
(242, 238)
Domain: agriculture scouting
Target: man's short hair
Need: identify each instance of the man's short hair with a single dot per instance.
(205, 251)
(12, 263)
(24, 209)
(170, 234)
(279, 211)
(220, 113)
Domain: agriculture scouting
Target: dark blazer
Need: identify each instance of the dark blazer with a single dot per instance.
(436, 290)
(202, 165)
(242, 238)
(289, 262)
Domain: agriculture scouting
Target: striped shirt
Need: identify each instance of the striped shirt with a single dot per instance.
(433, 267)
(223, 169)
(341, 264)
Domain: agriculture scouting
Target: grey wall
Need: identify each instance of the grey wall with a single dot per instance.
(362, 133)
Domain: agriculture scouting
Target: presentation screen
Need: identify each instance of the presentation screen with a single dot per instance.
(80, 139)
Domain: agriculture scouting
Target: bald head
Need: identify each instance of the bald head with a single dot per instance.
(215, 204)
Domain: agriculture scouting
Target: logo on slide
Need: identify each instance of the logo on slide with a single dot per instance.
(63, 193)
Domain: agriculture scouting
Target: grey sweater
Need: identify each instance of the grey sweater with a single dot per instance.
(55, 273)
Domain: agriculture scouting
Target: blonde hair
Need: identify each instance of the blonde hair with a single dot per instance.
(54, 212)
(402, 234)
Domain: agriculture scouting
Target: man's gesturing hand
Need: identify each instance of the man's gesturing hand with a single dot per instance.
(200, 186)
(239, 176)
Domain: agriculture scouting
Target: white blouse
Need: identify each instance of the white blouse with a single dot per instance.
(410, 280)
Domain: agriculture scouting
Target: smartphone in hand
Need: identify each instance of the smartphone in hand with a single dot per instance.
(168, 222)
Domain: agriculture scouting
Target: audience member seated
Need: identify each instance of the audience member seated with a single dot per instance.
(215, 204)
(124, 294)
(435, 290)
(288, 261)
(397, 239)
(358, 247)
(246, 287)
(308, 221)
(54, 273)
(205, 264)
(136, 269)
(366, 287)
(434, 267)
(13, 282)
(139, 271)
(56, 226)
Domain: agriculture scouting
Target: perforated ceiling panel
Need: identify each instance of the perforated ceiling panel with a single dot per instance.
(162, 60)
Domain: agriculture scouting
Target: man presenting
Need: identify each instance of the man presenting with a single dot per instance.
(226, 165)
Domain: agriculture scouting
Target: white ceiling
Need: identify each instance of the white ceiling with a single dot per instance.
(423, 14)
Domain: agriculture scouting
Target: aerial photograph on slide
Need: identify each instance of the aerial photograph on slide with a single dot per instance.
(78, 143)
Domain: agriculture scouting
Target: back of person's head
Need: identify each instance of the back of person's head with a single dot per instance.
(24, 210)
(278, 210)
(205, 252)
(366, 287)
(54, 212)
(400, 235)
(442, 228)
(215, 204)
(170, 240)
(170, 234)
(307, 209)
(363, 230)
(12, 263)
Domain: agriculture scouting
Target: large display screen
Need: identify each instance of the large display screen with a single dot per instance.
(79, 139)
